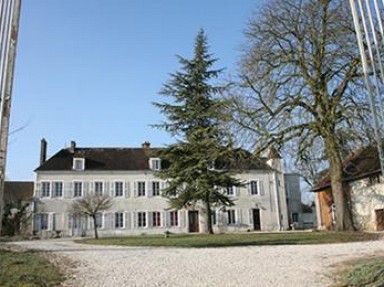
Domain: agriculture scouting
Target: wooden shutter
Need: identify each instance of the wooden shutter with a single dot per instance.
(37, 189)
(250, 212)
(182, 219)
(85, 188)
(238, 217)
(165, 219)
(126, 220)
(261, 187)
(70, 189)
(92, 187)
(127, 188)
(134, 219)
(149, 188)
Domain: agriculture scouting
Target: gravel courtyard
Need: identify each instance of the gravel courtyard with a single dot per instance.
(291, 265)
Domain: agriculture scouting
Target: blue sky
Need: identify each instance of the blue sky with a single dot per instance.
(88, 70)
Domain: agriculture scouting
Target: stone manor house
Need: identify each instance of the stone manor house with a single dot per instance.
(270, 200)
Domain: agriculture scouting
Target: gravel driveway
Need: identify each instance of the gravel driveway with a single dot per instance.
(291, 265)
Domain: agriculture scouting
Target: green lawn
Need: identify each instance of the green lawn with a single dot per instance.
(26, 269)
(225, 240)
(367, 273)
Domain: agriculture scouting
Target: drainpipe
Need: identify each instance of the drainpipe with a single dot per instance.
(277, 200)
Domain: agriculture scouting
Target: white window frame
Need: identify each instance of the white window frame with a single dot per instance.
(116, 221)
(154, 216)
(102, 187)
(257, 186)
(231, 214)
(81, 166)
(54, 190)
(48, 183)
(155, 163)
(139, 224)
(172, 222)
(153, 183)
(138, 188)
(115, 183)
(74, 188)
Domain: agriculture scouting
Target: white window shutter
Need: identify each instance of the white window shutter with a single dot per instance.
(85, 188)
(71, 187)
(37, 189)
(182, 219)
(250, 216)
(127, 188)
(111, 189)
(149, 216)
(249, 187)
(92, 187)
(126, 220)
(112, 220)
(261, 188)
(237, 190)
(165, 218)
(70, 221)
(134, 219)
(238, 216)
(149, 188)
(135, 189)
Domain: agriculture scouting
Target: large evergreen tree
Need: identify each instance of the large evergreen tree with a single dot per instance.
(194, 117)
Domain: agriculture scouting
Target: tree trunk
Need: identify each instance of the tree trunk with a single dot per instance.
(95, 227)
(209, 216)
(342, 210)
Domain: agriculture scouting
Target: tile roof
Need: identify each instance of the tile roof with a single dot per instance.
(361, 163)
(18, 190)
(123, 159)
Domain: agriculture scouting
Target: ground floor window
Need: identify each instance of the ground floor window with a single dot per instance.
(99, 220)
(43, 221)
(295, 217)
(119, 220)
(213, 217)
(174, 218)
(141, 219)
(156, 219)
(231, 216)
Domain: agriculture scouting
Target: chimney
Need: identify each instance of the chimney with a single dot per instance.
(43, 151)
(72, 148)
(146, 145)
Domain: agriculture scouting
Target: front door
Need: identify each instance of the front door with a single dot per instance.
(193, 219)
(256, 219)
(379, 219)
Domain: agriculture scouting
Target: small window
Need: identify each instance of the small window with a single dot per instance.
(141, 219)
(119, 220)
(77, 189)
(295, 217)
(155, 188)
(141, 188)
(99, 188)
(174, 218)
(45, 189)
(57, 189)
(231, 217)
(78, 164)
(155, 164)
(156, 219)
(230, 190)
(254, 186)
(99, 220)
(119, 188)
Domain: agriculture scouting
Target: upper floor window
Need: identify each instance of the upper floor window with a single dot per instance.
(141, 188)
(230, 190)
(155, 188)
(77, 189)
(78, 163)
(155, 164)
(254, 187)
(119, 188)
(45, 189)
(57, 189)
(99, 188)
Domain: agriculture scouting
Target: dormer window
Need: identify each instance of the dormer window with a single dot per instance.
(155, 164)
(78, 164)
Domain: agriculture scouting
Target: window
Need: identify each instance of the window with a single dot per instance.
(254, 186)
(99, 188)
(174, 218)
(78, 189)
(230, 190)
(119, 220)
(295, 217)
(231, 216)
(45, 189)
(141, 219)
(155, 188)
(78, 163)
(119, 188)
(156, 219)
(57, 189)
(99, 220)
(44, 221)
(155, 164)
(141, 188)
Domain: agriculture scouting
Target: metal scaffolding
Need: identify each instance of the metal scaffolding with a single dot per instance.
(9, 27)
(368, 21)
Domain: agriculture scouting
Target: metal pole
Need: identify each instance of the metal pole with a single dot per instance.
(8, 39)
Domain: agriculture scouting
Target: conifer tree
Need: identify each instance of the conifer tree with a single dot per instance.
(197, 167)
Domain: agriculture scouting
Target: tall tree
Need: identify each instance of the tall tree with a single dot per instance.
(300, 82)
(91, 205)
(194, 117)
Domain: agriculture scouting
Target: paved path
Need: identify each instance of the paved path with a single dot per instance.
(292, 265)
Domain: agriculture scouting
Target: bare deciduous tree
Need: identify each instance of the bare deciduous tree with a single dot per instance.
(300, 82)
(91, 205)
